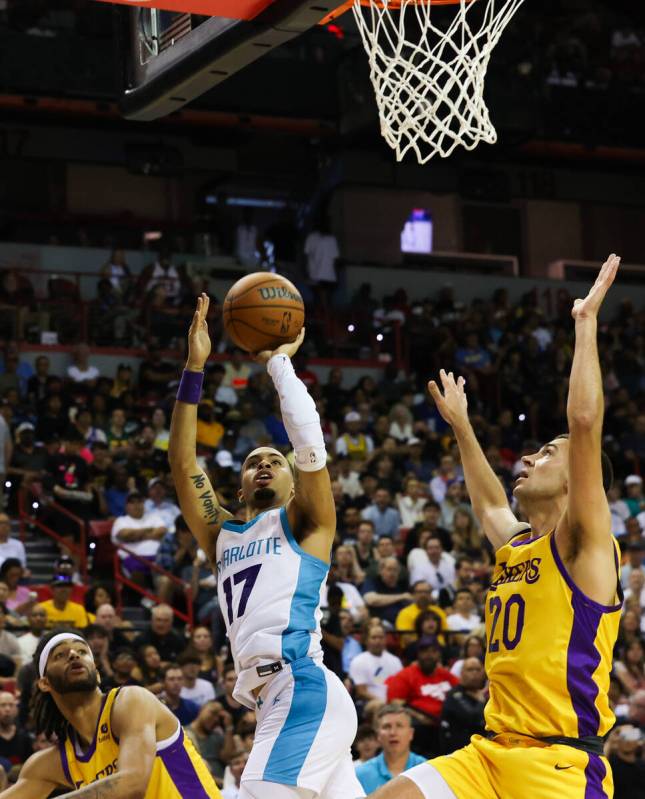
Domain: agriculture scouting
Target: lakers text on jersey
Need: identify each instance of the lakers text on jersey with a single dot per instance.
(178, 771)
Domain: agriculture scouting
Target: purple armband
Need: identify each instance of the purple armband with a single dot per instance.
(190, 387)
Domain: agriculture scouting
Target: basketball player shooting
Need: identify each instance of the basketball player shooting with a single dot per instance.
(270, 570)
(121, 745)
(553, 608)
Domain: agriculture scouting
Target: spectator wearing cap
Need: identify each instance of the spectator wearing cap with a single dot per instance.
(438, 569)
(370, 669)
(446, 473)
(354, 443)
(176, 554)
(410, 502)
(195, 688)
(422, 687)
(141, 533)
(158, 502)
(28, 460)
(634, 490)
(394, 732)
(462, 715)
(416, 463)
(386, 519)
(60, 609)
(10, 547)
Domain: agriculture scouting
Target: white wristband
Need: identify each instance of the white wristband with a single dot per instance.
(299, 415)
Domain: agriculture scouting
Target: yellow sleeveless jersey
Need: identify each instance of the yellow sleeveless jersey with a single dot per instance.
(549, 647)
(178, 771)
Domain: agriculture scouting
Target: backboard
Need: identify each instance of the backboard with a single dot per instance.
(170, 57)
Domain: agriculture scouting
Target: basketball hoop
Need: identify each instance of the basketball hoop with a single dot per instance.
(428, 74)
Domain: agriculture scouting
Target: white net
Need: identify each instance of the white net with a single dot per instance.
(428, 65)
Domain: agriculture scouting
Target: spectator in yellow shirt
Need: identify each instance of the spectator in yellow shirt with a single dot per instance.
(422, 596)
(209, 431)
(60, 610)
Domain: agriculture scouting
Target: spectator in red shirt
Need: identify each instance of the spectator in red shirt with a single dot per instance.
(422, 688)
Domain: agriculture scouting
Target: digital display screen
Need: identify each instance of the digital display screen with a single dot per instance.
(416, 236)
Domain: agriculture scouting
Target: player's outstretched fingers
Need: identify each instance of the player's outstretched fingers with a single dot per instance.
(434, 390)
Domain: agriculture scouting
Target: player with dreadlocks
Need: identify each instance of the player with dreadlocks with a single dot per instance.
(124, 743)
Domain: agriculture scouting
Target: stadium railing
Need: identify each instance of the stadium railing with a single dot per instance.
(31, 498)
(121, 580)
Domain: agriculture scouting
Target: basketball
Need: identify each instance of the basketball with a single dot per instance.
(262, 311)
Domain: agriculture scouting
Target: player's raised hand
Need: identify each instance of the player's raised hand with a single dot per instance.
(199, 342)
(453, 403)
(289, 349)
(589, 307)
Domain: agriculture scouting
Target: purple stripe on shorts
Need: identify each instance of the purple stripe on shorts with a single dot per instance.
(595, 773)
(181, 770)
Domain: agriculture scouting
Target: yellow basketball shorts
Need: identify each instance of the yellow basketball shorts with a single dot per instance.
(517, 767)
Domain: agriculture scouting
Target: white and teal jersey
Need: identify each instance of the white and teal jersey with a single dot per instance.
(269, 594)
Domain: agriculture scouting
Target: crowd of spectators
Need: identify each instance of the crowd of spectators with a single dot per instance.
(403, 605)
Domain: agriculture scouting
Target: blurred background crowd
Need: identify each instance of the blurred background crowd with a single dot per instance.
(84, 456)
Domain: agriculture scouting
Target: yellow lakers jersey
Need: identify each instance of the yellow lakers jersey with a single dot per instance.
(178, 771)
(549, 647)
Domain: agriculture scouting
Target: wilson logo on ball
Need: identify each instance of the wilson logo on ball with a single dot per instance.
(278, 293)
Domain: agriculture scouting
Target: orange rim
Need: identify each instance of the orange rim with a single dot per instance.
(395, 5)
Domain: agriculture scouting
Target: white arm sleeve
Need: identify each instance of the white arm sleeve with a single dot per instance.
(299, 415)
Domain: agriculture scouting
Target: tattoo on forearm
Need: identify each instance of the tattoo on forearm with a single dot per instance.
(210, 508)
(102, 789)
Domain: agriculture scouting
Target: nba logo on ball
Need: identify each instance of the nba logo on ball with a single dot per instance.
(262, 311)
